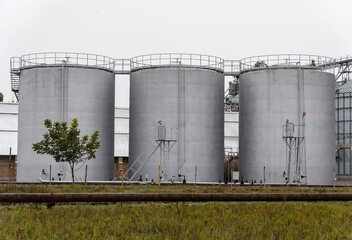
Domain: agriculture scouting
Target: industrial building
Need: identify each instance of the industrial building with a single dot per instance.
(344, 128)
(8, 140)
(176, 118)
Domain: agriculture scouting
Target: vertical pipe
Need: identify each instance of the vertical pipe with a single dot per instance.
(62, 90)
(337, 96)
(50, 175)
(161, 157)
(85, 176)
(159, 175)
(10, 156)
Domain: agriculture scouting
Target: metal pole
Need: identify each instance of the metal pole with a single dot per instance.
(195, 175)
(10, 157)
(159, 175)
(85, 176)
(264, 176)
(228, 170)
(161, 158)
(50, 174)
(9, 173)
(62, 90)
(122, 173)
(334, 174)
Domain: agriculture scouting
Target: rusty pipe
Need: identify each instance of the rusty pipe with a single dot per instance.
(168, 197)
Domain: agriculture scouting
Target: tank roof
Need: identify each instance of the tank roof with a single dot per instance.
(173, 60)
(57, 59)
(285, 61)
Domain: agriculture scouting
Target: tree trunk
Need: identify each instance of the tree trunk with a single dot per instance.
(72, 165)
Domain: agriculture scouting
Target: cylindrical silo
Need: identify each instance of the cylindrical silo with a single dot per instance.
(185, 94)
(60, 87)
(291, 89)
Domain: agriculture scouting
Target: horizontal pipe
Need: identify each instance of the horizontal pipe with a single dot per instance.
(168, 197)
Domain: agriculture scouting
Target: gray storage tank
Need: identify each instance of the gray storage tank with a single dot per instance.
(291, 89)
(185, 94)
(60, 87)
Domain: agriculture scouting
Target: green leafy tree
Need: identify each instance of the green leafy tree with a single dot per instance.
(65, 144)
(1, 97)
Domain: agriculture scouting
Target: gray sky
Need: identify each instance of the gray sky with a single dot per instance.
(123, 29)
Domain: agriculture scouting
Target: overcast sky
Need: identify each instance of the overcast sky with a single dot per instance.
(123, 29)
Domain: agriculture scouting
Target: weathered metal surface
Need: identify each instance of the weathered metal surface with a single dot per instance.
(61, 93)
(268, 98)
(189, 100)
(168, 197)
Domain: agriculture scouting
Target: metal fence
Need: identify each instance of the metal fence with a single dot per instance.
(231, 67)
(69, 58)
(177, 59)
(122, 66)
(282, 60)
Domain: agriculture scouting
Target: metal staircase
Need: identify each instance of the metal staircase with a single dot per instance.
(15, 64)
(138, 164)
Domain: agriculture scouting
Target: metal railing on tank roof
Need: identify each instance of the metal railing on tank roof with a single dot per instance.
(285, 60)
(232, 68)
(69, 58)
(177, 59)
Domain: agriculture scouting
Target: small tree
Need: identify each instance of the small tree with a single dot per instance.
(1, 97)
(65, 144)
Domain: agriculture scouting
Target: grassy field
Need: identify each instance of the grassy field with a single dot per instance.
(212, 220)
(284, 220)
(79, 188)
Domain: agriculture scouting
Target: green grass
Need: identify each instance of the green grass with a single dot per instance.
(214, 220)
(256, 220)
(79, 188)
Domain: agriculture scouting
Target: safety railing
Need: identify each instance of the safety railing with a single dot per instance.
(15, 63)
(15, 66)
(284, 60)
(122, 66)
(344, 59)
(232, 67)
(177, 59)
(69, 58)
(162, 133)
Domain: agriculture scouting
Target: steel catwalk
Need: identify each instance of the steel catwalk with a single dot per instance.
(268, 98)
(62, 92)
(189, 100)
